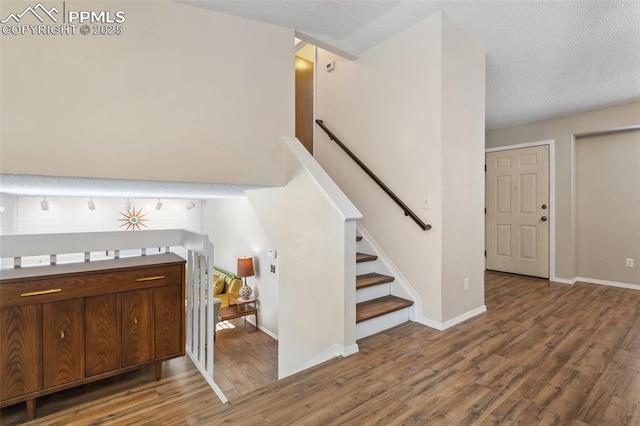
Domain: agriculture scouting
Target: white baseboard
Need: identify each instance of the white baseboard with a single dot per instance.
(331, 352)
(462, 318)
(350, 350)
(252, 321)
(608, 283)
(596, 281)
(426, 321)
(209, 379)
(455, 321)
(562, 280)
(268, 333)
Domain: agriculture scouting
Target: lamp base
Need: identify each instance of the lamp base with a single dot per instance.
(245, 291)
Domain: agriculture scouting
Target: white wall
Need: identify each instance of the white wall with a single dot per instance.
(563, 131)
(463, 100)
(234, 230)
(183, 94)
(386, 107)
(316, 252)
(68, 214)
(23, 215)
(402, 108)
(608, 206)
(8, 219)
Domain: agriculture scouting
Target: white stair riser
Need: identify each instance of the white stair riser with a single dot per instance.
(364, 268)
(381, 323)
(373, 292)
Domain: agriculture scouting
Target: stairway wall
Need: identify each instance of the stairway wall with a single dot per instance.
(315, 240)
(386, 107)
(183, 94)
(463, 103)
(399, 108)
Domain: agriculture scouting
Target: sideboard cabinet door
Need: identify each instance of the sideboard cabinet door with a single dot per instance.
(62, 342)
(19, 351)
(137, 326)
(102, 352)
(168, 303)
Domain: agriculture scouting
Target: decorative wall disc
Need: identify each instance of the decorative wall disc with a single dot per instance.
(133, 219)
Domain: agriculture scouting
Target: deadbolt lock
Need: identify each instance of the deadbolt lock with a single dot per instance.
(544, 207)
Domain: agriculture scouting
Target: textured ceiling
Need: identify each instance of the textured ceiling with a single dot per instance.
(544, 58)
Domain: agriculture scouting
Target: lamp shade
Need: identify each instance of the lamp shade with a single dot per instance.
(245, 266)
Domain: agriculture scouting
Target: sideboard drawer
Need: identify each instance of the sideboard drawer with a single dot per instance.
(51, 289)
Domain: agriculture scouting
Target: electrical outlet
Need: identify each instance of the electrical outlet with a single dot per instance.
(628, 263)
(273, 269)
(466, 283)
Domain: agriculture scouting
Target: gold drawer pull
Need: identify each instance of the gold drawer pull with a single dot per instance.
(41, 292)
(157, 277)
(62, 334)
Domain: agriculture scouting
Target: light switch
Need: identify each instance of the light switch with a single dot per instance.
(426, 201)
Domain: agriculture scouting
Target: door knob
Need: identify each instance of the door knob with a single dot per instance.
(543, 218)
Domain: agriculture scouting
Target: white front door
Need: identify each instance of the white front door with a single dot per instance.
(517, 220)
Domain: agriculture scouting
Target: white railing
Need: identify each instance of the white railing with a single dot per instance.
(94, 245)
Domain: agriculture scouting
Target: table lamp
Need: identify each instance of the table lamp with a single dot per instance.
(245, 269)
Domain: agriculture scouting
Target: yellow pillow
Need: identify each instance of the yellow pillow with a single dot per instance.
(218, 285)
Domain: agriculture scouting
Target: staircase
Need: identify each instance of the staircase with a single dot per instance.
(377, 309)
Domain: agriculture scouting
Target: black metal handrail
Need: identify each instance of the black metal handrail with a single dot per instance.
(407, 211)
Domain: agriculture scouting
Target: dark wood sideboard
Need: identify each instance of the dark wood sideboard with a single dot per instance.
(66, 325)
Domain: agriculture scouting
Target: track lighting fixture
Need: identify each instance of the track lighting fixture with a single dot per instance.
(44, 204)
(91, 205)
(191, 205)
(158, 204)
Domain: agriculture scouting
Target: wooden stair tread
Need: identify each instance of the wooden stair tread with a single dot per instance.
(380, 306)
(368, 280)
(364, 257)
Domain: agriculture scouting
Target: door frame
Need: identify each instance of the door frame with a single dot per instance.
(552, 196)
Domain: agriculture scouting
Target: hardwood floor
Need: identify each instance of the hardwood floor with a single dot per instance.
(245, 359)
(542, 354)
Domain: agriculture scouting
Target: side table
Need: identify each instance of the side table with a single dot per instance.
(239, 307)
